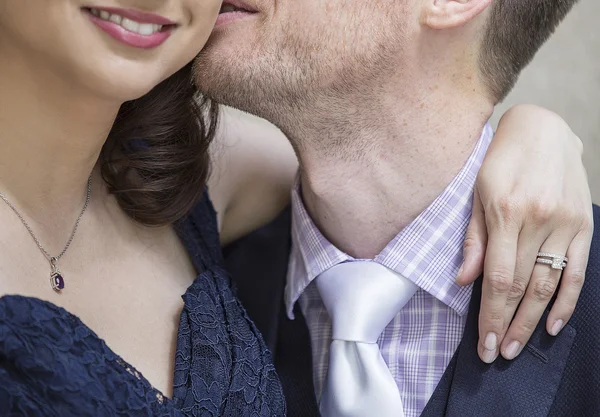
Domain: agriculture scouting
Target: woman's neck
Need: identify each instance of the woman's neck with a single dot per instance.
(51, 135)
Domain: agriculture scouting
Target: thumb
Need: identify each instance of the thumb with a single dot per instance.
(474, 245)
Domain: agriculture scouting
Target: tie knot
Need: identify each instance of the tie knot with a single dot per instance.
(362, 298)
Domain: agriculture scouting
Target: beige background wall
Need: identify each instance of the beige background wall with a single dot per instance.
(565, 77)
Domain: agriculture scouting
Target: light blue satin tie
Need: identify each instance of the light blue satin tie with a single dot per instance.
(361, 298)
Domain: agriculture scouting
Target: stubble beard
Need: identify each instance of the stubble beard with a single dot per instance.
(293, 77)
(267, 80)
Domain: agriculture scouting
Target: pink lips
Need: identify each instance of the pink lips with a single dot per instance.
(225, 18)
(133, 39)
(242, 12)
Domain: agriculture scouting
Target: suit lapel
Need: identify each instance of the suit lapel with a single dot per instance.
(524, 387)
(293, 361)
(258, 266)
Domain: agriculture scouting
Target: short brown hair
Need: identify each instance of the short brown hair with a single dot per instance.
(515, 31)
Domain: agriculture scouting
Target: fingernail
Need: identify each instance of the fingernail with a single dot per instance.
(489, 356)
(490, 342)
(460, 271)
(556, 327)
(512, 350)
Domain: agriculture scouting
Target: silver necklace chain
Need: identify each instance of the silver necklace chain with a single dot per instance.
(53, 259)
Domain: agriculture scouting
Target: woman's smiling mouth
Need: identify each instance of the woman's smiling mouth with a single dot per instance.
(131, 27)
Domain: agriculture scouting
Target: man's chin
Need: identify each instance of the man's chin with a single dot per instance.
(242, 96)
(244, 77)
(220, 82)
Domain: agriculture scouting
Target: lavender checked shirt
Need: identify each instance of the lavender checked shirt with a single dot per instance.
(420, 341)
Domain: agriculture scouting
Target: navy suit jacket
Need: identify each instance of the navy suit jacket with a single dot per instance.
(553, 376)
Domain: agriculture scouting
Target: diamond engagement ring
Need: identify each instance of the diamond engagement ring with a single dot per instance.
(555, 261)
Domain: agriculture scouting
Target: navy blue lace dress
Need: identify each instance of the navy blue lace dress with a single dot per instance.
(51, 364)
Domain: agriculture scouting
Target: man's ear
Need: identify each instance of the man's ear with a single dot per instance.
(448, 14)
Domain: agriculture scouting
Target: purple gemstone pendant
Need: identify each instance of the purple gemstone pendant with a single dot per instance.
(56, 279)
(57, 282)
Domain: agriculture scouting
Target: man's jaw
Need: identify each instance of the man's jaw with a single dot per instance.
(234, 10)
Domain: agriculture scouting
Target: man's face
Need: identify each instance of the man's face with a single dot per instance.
(289, 51)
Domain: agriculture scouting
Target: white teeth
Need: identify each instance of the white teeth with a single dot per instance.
(130, 25)
(115, 18)
(144, 29)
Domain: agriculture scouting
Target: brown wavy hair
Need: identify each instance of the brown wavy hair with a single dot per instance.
(156, 159)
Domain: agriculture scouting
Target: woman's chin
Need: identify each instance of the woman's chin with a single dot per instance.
(123, 87)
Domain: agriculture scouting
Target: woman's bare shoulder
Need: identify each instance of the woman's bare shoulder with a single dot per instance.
(254, 167)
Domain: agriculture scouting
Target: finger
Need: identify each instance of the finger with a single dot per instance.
(500, 260)
(531, 240)
(571, 283)
(474, 246)
(540, 291)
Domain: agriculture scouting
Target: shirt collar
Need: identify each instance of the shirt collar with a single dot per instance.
(428, 251)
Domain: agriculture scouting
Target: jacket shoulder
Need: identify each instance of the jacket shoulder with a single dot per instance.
(594, 259)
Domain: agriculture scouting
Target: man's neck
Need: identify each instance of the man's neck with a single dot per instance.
(368, 172)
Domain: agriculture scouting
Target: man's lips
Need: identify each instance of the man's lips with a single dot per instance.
(233, 10)
(232, 6)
